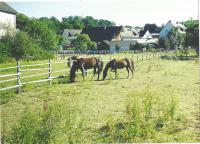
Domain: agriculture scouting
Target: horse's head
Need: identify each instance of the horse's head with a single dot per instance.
(73, 72)
(105, 71)
(104, 74)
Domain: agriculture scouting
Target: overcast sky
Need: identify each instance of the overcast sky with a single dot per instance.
(122, 12)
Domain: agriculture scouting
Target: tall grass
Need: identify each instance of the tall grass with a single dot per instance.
(53, 123)
(145, 117)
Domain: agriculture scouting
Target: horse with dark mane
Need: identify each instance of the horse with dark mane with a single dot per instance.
(86, 63)
(73, 58)
(115, 64)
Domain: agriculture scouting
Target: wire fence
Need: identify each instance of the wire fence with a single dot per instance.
(22, 74)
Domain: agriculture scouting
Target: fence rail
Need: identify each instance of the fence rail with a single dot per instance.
(48, 66)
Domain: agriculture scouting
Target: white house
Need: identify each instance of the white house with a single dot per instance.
(68, 36)
(147, 35)
(169, 27)
(7, 18)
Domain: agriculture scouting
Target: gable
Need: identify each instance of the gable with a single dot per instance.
(147, 35)
(70, 32)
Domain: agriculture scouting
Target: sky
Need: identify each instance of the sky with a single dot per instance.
(122, 12)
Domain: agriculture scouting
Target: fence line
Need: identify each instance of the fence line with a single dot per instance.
(144, 56)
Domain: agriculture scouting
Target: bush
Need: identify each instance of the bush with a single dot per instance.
(145, 116)
(54, 124)
(182, 52)
(137, 46)
(6, 96)
(21, 46)
(83, 42)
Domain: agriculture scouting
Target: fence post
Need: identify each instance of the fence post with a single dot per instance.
(71, 62)
(18, 76)
(50, 72)
(137, 57)
(63, 54)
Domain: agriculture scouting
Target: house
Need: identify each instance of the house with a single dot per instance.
(127, 33)
(68, 36)
(112, 37)
(98, 34)
(169, 27)
(147, 35)
(107, 35)
(168, 32)
(7, 18)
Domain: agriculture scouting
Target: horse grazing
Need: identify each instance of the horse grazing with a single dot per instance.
(72, 58)
(86, 63)
(115, 64)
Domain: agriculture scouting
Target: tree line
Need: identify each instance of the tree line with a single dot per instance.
(37, 38)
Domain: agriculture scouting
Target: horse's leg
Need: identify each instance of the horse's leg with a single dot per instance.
(94, 72)
(115, 73)
(131, 70)
(83, 71)
(127, 71)
(99, 71)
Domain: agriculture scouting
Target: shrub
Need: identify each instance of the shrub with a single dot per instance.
(6, 96)
(54, 124)
(83, 42)
(145, 116)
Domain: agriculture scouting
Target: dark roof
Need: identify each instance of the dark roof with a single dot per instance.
(98, 34)
(142, 33)
(6, 8)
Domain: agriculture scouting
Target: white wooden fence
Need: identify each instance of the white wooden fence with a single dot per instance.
(48, 66)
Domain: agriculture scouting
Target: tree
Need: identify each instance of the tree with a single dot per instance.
(53, 23)
(83, 42)
(72, 22)
(39, 31)
(153, 28)
(23, 47)
(20, 46)
(77, 22)
(192, 33)
(22, 21)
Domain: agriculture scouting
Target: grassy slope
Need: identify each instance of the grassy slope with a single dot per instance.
(98, 100)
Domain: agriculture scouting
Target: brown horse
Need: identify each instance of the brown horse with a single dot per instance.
(86, 63)
(118, 64)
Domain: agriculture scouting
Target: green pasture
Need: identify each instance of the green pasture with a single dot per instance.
(59, 66)
(160, 103)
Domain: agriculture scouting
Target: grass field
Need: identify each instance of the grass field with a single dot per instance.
(159, 104)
